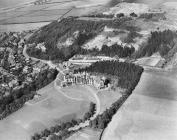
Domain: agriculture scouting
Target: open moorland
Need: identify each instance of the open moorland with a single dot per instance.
(107, 97)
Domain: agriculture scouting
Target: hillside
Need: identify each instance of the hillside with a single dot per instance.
(65, 38)
(121, 31)
(128, 8)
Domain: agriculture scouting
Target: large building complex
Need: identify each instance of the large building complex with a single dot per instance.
(85, 79)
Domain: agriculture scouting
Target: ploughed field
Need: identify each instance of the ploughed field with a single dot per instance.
(49, 109)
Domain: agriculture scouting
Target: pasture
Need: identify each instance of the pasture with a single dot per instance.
(108, 97)
(86, 134)
(53, 108)
(29, 14)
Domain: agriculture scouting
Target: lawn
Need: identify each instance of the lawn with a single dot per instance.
(32, 19)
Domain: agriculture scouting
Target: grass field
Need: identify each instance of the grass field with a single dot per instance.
(32, 19)
(34, 117)
(107, 98)
(86, 134)
(149, 61)
(79, 92)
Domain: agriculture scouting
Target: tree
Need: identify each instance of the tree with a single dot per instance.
(36, 137)
(55, 137)
(133, 14)
(87, 116)
(120, 15)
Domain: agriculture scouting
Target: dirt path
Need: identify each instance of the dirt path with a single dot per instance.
(98, 107)
(59, 90)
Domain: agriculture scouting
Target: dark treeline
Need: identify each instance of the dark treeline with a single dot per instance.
(66, 53)
(135, 72)
(62, 129)
(131, 36)
(64, 134)
(83, 37)
(17, 98)
(128, 74)
(51, 34)
(159, 41)
(100, 15)
(153, 16)
(114, 50)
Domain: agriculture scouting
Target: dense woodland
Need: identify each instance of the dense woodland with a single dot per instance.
(117, 50)
(159, 41)
(100, 15)
(131, 36)
(17, 98)
(63, 127)
(114, 50)
(153, 16)
(128, 74)
(51, 34)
